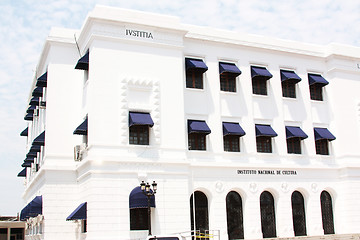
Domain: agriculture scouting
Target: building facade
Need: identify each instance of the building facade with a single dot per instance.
(263, 132)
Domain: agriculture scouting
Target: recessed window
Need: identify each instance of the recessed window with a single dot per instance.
(139, 219)
(232, 133)
(263, 144)
(84, 226)
(195, 69)
(228, 73)
(231, 143)
(316, 84)
(197, 131)
(293, 145)
(139, 126)
(322, 147)
(294, 135)
(322, 138)
(289, 79)
(259, 76)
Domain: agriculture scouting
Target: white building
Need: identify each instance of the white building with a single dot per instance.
(244, 122)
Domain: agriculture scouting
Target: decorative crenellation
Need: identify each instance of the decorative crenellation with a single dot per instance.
(150, 86)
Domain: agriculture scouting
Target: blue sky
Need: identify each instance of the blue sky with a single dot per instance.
(25, 25)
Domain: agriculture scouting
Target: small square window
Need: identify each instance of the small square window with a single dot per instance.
(194, 78)
(322, 147)
(228, 82)
(231, 143)
(263, 144)
(259, 86)
(288, 89)
(294, 145)
(139, 135)
(197, 141)
(316, 92)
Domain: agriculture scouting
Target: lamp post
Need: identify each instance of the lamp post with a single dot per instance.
(146, 190)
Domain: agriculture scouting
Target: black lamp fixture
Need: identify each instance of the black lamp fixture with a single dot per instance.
(148, 192)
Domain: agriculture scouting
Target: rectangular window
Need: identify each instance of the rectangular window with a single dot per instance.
(288, 89)
(263, 144)
(231, 143)
(139, 135)
(83, 226)
(294, 145)
(228, 82)
(194, 78)
(139, 219)
(316, 92)
(322, 147)
(197, 141)
(259, 86)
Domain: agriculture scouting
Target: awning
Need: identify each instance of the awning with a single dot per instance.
(198, 126)
(29, 159)
(79, 213)
(29, 117)
(25, 132)
(42, 80)
(232, 129)
(229, 68)
(317, 79)
(260, 72)
(24, 213)
(35, 148)
(31, 109)
(287, 75)
(40, 140)
(295, 132)
(34, 208)
(83, 63)
(26, 164)
(82, 128)
(264, 131)
(38, 92)
(191, 63)
(138, 118)
(22, 173)
(323, 133)
(34, 101)
(31, 154)
(138, 200)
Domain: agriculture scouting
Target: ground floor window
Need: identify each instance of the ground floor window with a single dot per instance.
(327, 213)
(298, 213)
(199, 215)
(267, 209)
(234, 214)
(139, 219)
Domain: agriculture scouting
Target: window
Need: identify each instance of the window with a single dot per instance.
(195, 69)
(263, 144)
(322, 147)
(139, 219)
(259, 76)
(316, 84)
(201, 212)
(288, 89)
(234, 216)
(228, 82)
(267, 209)
(294, 145)
(83, 226)
(298, 213)
(139, 135)
(231, 143)
(197, 141)
(327, 213)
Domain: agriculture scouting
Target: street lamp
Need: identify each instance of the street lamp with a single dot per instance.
(146, 190)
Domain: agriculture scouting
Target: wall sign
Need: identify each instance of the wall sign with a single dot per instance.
(267, 172)
(139, 34)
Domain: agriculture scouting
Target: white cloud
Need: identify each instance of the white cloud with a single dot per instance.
(26, 23)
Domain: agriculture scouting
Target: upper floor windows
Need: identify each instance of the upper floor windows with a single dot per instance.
(197, 131)
(139, 124)
(232, 133)
(83, 63)
(259, 76)
(294, 135)
(316, 84)
(228, 73)
(289, 79)
(195, 69)
(264, 133)
(322, 138)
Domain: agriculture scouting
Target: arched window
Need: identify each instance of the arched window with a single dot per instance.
(267, 209)
(327, 213)
(138, 205)
(201, 212)
(234, 216)
(298, 213)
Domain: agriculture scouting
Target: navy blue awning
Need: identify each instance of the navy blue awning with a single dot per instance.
(83, 63)
(31, 154)
(137, 199)
(42, 80)
(29, 159)
(40, 140)
(287, 75)
(82, 128)
(198, 126)
(138, 118)
(38, 92)
(323, 133)
(25, 132)
(35, 148)
(229, 68)
(80, 213)
(34, 101)
(232, 129)
(260, 72)
(264, 130)
(22, 173)
(26, 164)
(31, 109)
(295, 132)
(195, 63)
(29, 117)
(24, 213)
(35, 207)
(317, 79)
